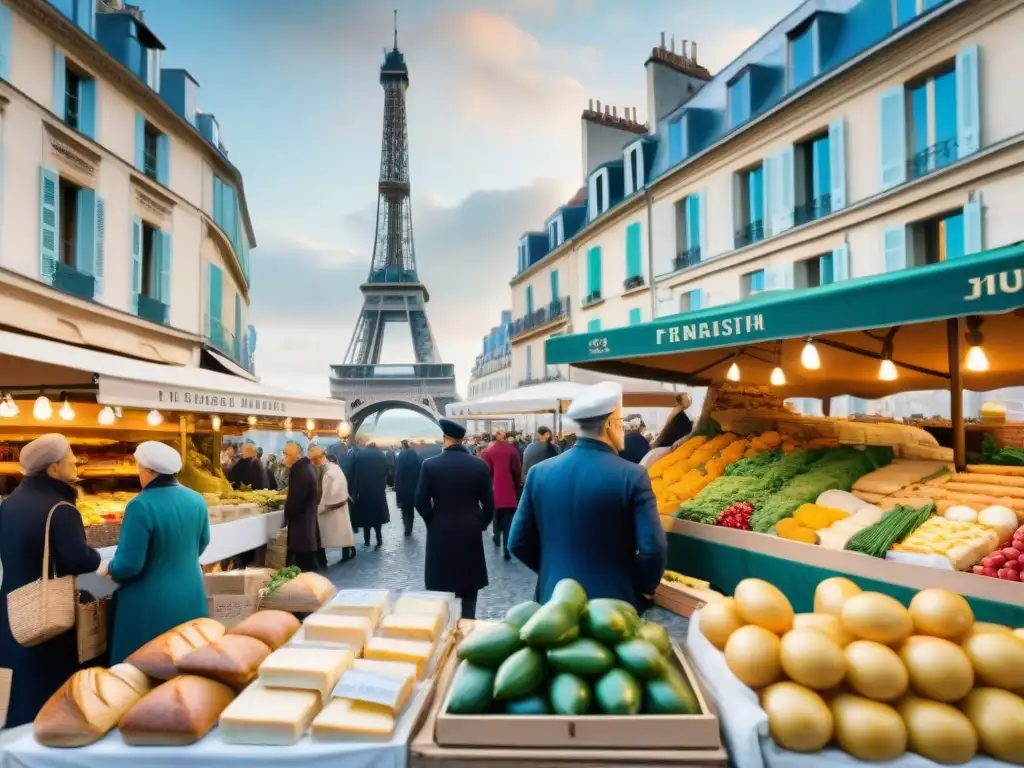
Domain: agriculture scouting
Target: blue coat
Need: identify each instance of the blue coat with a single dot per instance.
(636, 447)
(591, 516)
(455, 500)
(368, 487)
(407, 476)
(156, 565)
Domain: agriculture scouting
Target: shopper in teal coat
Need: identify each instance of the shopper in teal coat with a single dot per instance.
(156, 565)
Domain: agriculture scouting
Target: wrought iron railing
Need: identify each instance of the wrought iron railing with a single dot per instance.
(225, 342)
(555, 311)
(630, 283)
(67, 279)
(686, 258)
(592, 298)
(938, 155)
(813, 209)
(149, 162)
(749, 234)
(152, 309)
(71, 108)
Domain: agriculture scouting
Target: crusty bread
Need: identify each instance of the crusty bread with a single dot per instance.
(273, 628)
(233, 660)
(88, 705)
(180, 711)
(306, 593)
(159, 657)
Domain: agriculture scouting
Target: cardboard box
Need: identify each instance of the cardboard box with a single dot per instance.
(232, 596)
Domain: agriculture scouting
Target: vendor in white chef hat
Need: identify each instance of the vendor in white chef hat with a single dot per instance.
(165, 530)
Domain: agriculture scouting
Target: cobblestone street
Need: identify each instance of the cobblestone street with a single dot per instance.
(398, 565)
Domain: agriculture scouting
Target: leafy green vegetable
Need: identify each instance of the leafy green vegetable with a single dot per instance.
(994, 454)
(898, 523)
(281, 577)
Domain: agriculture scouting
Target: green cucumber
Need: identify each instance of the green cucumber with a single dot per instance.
(520, 674)
(641, 659)
(656, 634)
(552, 624)
(537, 704)
(584, 657)
(569, 695)
(471, 690)
(618, 693)
(518, 615)
(489, 646)
(671, 695)
(607, 624)
(569, 591)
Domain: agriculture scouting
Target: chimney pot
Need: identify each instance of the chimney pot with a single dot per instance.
(693, 51)
(682, 50)
(615, 111)
(634, 114)
(663, 41)
(598, 106)
(672, 44)
(607, 109)
(590, 105)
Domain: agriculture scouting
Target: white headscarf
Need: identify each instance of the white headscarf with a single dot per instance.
(158, 457)
(42, 452)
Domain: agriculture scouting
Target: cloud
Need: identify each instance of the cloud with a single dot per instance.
(719, 51)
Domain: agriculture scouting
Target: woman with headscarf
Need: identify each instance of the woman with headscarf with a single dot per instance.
(156, 565)
(49, 467)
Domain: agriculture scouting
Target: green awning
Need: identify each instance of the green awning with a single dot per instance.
(849, 321)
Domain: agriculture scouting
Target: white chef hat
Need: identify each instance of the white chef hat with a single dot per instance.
(595, 402)
(42, 452)
(158, 457)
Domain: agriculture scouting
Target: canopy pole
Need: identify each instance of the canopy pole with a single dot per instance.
(956, 394)
(183, 436)
(826, 407)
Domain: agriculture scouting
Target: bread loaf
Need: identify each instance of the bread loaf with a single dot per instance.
(233, 660)
(306, 593)
(159, 657)
(178, 712)
(272, 628)
(88, 705)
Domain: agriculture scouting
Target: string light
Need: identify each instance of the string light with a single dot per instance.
(288, 424)
(41, 409)
(154, 418)
(887, 370)
(344, 430)
(809, 357)
(977, 360)
(12, 408)
(106, 416)
(252, 421)
(310, 425)
(215, 423)
(734, 373)
(66, 412)
(778, 378)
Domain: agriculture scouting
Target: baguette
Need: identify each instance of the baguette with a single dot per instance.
(89, 704)
(272, 628)
(233, 660)
(978, 477)
(985, 489)
(995, 469)
(159, 657)
(177, 713)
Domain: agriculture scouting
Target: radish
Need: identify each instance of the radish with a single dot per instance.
(1010, 553)
(1002, 573)
(990, 572)
(979, 570)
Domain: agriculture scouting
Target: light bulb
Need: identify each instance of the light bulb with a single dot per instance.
(310, 425)
(106, 416)
(778, 378)
(42, 410)
(154, 418)
(118, 412)
(215, 423)
(809, 358)
(344, 429)
(977, 360)
(288, 424)
(66, 412)
(887, 371)
(252, 421)
(5, 411)
(12, 407)
(734, 373)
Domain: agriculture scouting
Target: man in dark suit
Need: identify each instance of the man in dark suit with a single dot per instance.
(368, 490)
(300, 509)
(407, 476)
(455, 500)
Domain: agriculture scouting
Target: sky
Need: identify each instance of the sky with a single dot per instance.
(496, 92)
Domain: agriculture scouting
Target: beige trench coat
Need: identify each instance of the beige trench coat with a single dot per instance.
(335, 524)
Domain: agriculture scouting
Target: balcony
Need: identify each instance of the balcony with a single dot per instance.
(936, 156)
(533, 380)
(556, 311)
(151, 309)
(225, 342)
(749, 234)
(592, 298)
(813, 209)
(688, 258)
(489, 365)
(634, 282)
(67, 279)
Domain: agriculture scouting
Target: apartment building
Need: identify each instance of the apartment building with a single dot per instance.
(123, 224)
(492, 370)
(855, 137)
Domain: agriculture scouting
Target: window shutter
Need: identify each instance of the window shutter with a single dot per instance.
(164, 238)
(675, 142)
(237, 346)
(60, 102)
(628, 179)
(968, 102)
(216, 295)
(701, 201)
(529, 300)
(592, 198)
(841, 263)
(49, 216)
(136, 262)
(892, 137)
(529, 363)
(594, 271)
(779, 278)
(5, 42)
(87, 108)
(140, 141)
(635, 316)
(894, 246)
(85, 232)
(837, 163)
(554, 286)
(825, 269)
(85, 15)
(696, 302)
(594, 326)
(634, 267)
(785, 200)
(973, 225)
(100, 230)
(770, 172)
(163, 159)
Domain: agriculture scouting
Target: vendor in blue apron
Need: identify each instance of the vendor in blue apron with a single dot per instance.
(590, 515)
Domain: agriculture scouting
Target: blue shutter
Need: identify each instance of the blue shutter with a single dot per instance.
(695, 300)
(779, 278)
(49, 216)
(968, 102)
(140, 141)
(841, 263)
(85, 232)
(973, 226)
(218, 203)
(164, 287)
(85, 15)
(594, 326)
(594, 271)
(894, 246)
(837, 163)
(216, 298)
(529, 363)
(785, 197)
(100, 230)
(136, 262)
(701, 200)
(635, 316)
(60, 97)
(5, 42)
(238, 327)
(529, 300)
(554, 285)
(634, 267)
(826, 270)
(87, 108)
(892, 137)
(675, 142)
(771, 172)
(163, 159)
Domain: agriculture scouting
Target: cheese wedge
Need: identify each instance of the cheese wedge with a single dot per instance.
(268, 716)
(427, 606)
(352, 631)
(393, 668)
(308, 669)
(345, 720)
(388, 691)
(411, 626)
(412, 651)
(368, 603)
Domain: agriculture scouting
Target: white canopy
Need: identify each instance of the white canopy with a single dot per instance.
(26, 361)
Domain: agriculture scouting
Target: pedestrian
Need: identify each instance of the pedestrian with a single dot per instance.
(455, 500)
(635, 445)
(332, 514)
(589, 514)
(502, 459)
(46, 495)
(369, 491)
(156, 564)
(539, 450)
(407, 476)
(300, 509)
(678, 425)
(228, 457)
(248, 471)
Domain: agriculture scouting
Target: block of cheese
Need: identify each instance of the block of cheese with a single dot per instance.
(368, 603)
(388, 691)
(346, 720)
(411, 626)
(428, 606)
(393, 668)
(415, 652)
(308, 669)
(352, 631)
(268, 716)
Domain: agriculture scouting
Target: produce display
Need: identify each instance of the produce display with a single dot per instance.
(570, 656)
(895, 525)
(873, 677)
(1006, 563)
(979, 487)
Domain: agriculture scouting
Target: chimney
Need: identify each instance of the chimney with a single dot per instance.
(682, 50)
(599, 106)
(693, 52)
(590, 106)
(672, 78)
(615, 111)
(672, 45)
(663, 41)
(634, 114)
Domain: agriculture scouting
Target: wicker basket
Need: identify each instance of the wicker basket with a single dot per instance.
(103, 535)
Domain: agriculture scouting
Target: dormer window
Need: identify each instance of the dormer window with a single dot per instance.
(598, 197)
(804, 55)
(739, 100)
(522, 255)
(556, 235)
(634, 157)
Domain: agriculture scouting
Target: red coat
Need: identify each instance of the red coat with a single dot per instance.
(506, 473)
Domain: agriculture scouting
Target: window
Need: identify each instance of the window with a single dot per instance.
(71, 236)
(593, 275)
(152, 150)
(690, 301)
(803, 55)
(739, 100)
(937, 239)
(634, 259)
(932, 113)
(529, 300)
(529, 363)
(150, 274)
(813, 179)
(521, 250)
(594, 326)
(634, 169)
(752, 283)
(68, 207)
(749, 196)
(215, 307)
(554, 234)
(821, 270)
(74, 96)
(689, 213)
(676, 145)
(635, 316)
(905, 11)
(554, 286)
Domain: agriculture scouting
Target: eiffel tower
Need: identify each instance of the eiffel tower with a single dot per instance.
(393, 292)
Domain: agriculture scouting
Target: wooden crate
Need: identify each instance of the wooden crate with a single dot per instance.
(683, 600)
